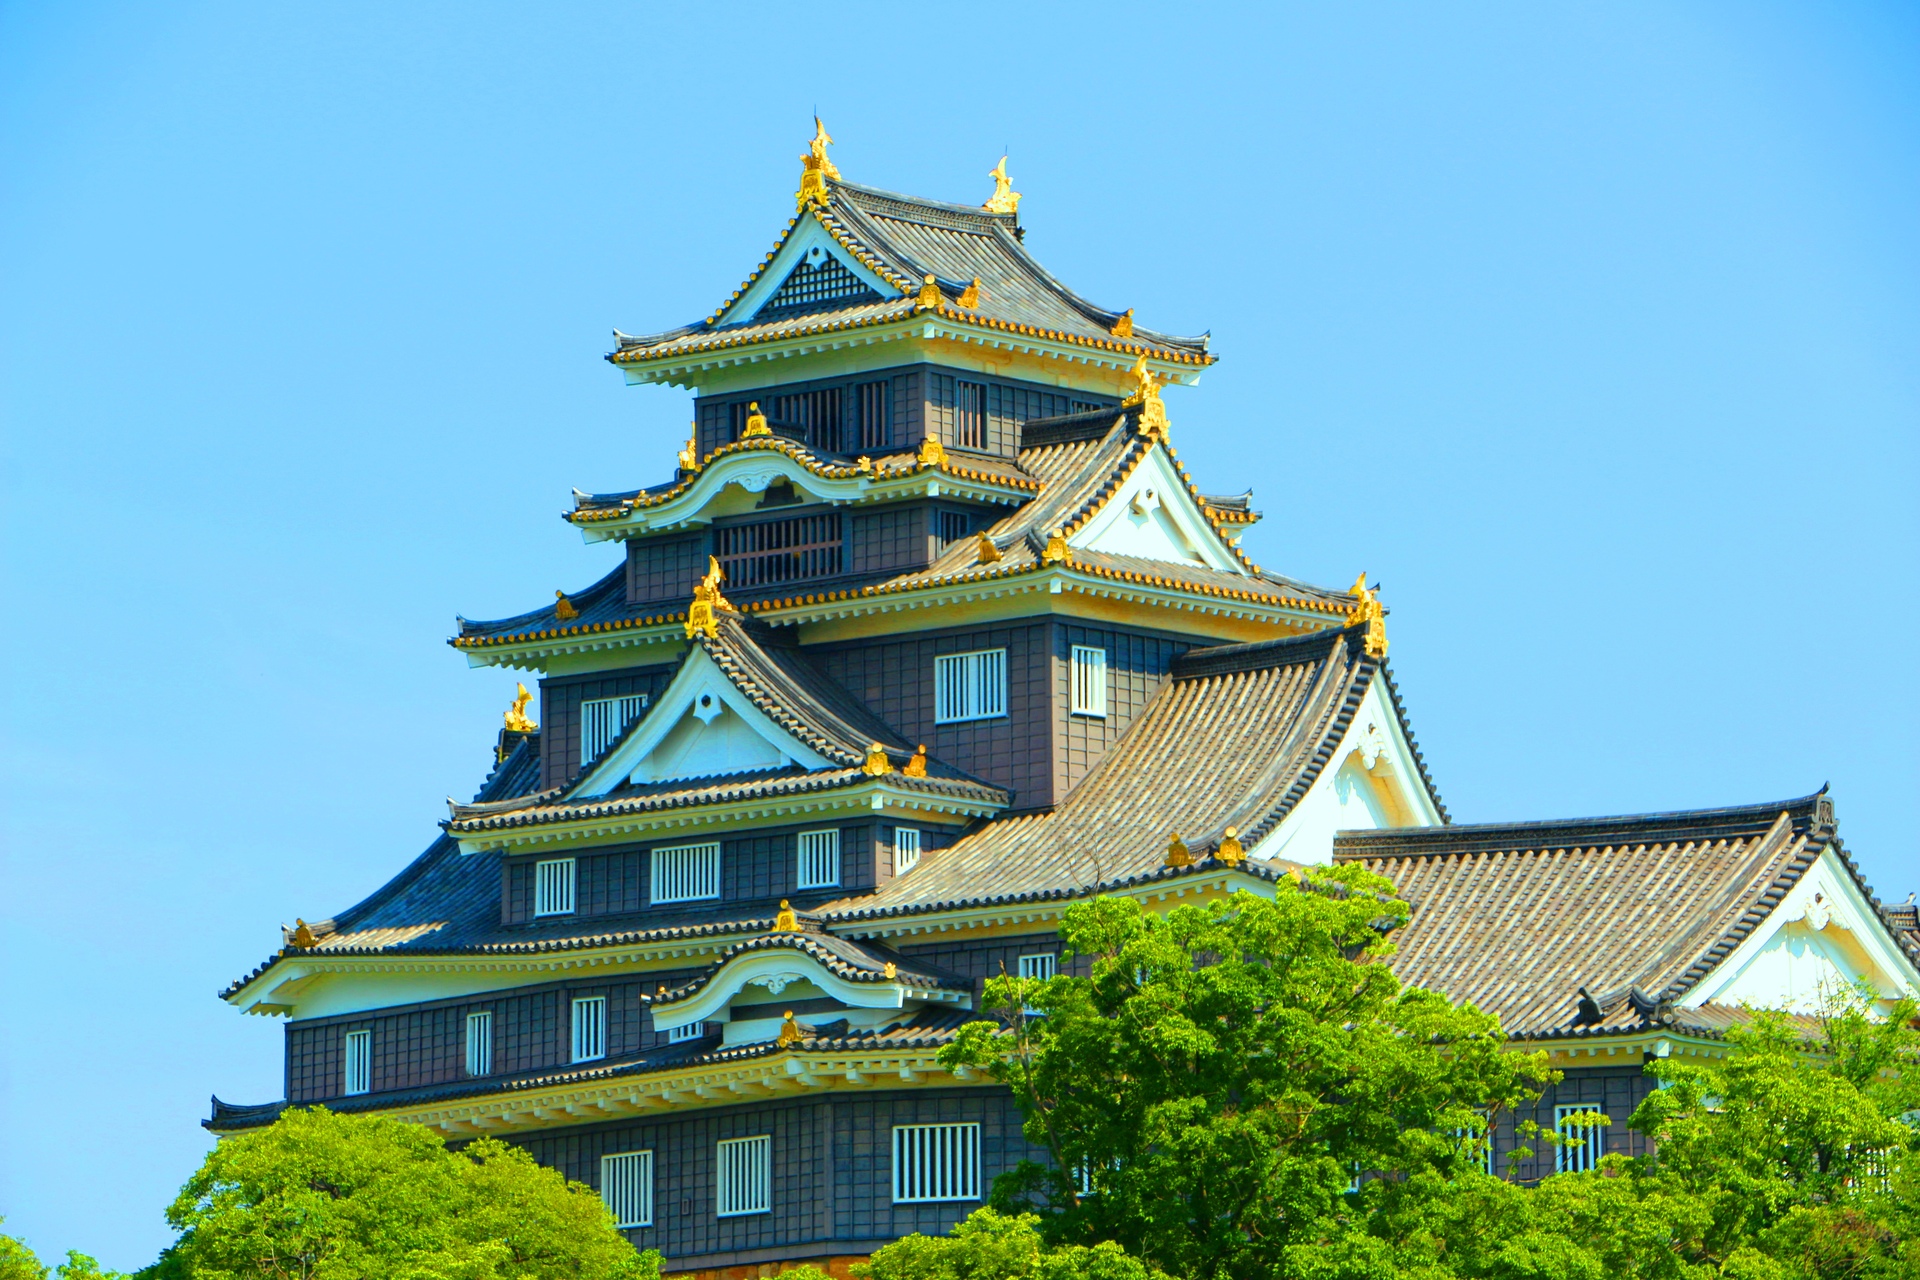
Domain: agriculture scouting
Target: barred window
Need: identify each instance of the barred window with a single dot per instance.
(480, 1043)
(874, 404)
(906, 849)
(776, 551)
(812, 416)
(934, 1162)
(626, 1184)
(1089, 681)
(970, 686)
(1589, 1140)
(745, 1176)
(953, 526)
(970, 415)
(589, 1028)
(819, 860)
(692, 1031)
(1038, 967)
(553, 887)
(686, 873)
(359, 1062)
(604, 719)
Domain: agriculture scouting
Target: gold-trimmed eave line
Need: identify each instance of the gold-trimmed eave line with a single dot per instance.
(872, 795)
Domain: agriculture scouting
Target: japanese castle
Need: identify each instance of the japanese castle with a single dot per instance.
(928, 635)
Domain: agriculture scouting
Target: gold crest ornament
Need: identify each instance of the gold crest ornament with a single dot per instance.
(790, 1034)
(864, 465)
(785, 921)
(1146, 398)
(917, 764)
(1178, 855)
(1123, 327)
(930, 295)
(892, 970)
(1004, 199)
(932, 452)
(1057, 552)
(516, 716)
(1367, 609)
(969, 296)
(302, 936)
(756, 422)
(703, 615)
(690, 456)
(815, 169)
(563, 608)
(988, 552)
(1230, 850)
(877, 765)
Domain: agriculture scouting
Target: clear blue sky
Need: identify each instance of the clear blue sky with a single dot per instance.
(1589, 330)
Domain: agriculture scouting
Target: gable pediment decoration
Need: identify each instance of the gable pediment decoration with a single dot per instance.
(818, 282)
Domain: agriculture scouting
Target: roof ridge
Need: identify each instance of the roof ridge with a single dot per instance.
(1752, 820)
(1256, 655)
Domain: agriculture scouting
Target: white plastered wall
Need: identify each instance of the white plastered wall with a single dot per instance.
(1153, 516)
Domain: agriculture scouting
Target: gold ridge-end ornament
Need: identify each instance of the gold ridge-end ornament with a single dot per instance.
(756, 422)
(1146, 398)
(302, 935)
(516, 715)
(785, 921)
(988, 552)
(690, 456)
(1057, 552)
(563, 609)
(932, 452)
(703, 615)
(969, 296)
(815, 169)
(876, 764)
(1123, 327)
(917, 765)
(1004, 198)
(1230, 851)
(790, 1034)
(1178, 855)
(1366, 609)
(929, 295)
(891, 971)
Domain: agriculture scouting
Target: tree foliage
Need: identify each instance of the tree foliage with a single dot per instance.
(321, 1196)
(990, 1245)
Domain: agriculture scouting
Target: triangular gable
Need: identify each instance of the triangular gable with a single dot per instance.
(1152, 515)
(1372, 781)
(811, 246)
(1823, 938)
(702, 726)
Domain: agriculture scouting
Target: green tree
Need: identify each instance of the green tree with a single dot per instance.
(320, 1196)
(18, 1262)
(993, 1246)
(1225, 1070)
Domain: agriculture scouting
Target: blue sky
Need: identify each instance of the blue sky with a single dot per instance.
(1590, 331)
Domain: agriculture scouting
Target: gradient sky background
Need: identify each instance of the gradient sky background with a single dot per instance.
(1590, 331)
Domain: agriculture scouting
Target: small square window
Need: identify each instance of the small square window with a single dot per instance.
(819, 860)
(480, 1043)
(359, 1062)
(589, 1028)
(626, 1184)
(935, 1162)
(745, 1181)
(689, 873)
(906, 849)
(970, 686)
(1089, 681)
(553, 887)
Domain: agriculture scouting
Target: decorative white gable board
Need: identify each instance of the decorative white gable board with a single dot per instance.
(1153, 516)
(728, 486)
(809, 242)
(1821, 939)
(701, 726)
(1371, 781)
(788, 977)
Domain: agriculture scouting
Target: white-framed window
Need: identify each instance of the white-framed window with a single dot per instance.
(686, 873)
(1089, 680)
(819, 860)
(933, 1162)
(480, 1043)
(626, 1184)
(553, 887)
(692, 1031)
(1590, 1141)
(589, 1028)
(604, 719)
(359, 1062)
(906, 849)
(1039, 967)
(744, 1176)
(969, 686)
(1479, 1142)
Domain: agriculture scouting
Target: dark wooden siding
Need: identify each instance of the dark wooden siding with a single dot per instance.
(1137, 665)
(1616, 1090)
(664, 569)
(604, 884)
(832, 1171)
(893, 540)
(894, 676)
(560, 699)
(984, 958)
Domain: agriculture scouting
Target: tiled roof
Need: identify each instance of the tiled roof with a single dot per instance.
(1234, 738)
(1518, 917)
(843, 957)
(927, 1029)
(903, 239)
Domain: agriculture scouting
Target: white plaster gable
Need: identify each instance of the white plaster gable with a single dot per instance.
(1152, 515)
(809, 242)
(701, 726)
(1823, 939)
(751, 992)
(1371, 782)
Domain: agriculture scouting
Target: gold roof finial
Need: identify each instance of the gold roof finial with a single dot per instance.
(756, 422)
(930, 295)
(302, 936)
(563, 608)
(703, 615)
(917, 763)
(1005, 199)
(1178, 855)
(1146, 398)
(1123, 327)
(690, 456)
(1367, 609)
(790, 1034)
(1230, 851)
(786, 921)
(932, 452)
(517, 721)
(988, 552)
(969, 296)
(876, 765)
(892, 970)
(815, 169)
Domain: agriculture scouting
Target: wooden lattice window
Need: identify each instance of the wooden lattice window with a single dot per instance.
(812, 416)
(553, 887)
(589, 1028)
(603, 719)
(873, 402)
(906, 849)
(970, 415)
(935, 1162)
(1089, 680)
(688, 873)
(819, 859)
(480, 1043)
(776, 551)
(626, 1184)
(745, 1181)
(359, 1063)
(816, 286)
